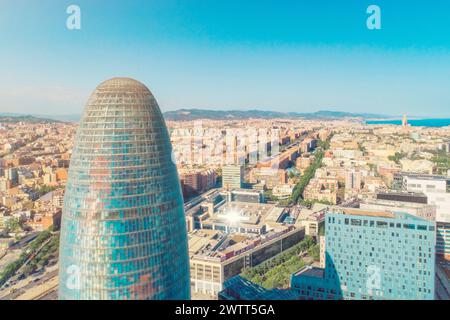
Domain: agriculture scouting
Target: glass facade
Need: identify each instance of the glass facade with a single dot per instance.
(123, 234)
(373, 258)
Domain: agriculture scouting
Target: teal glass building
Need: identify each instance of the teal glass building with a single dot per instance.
(373, 256)
(123, 234)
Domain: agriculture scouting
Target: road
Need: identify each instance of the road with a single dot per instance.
(19, 291)
(18, 150)
(50, 295)
(283, 148)
(24, 241)
(42, 291)
(9, 257)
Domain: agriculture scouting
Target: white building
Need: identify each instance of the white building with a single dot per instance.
(437, 189)
(283, 191)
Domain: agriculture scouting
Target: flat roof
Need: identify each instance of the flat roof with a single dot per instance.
(395, 204)
(246, 213)
(201, 240)
(361, 212)
(274, 214)
(310, 271)
(379, 214)
(402, 193)
(426, 177)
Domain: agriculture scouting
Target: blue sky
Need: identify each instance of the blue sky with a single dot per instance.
(276, 55)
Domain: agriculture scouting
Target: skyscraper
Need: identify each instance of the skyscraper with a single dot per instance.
(123, 233)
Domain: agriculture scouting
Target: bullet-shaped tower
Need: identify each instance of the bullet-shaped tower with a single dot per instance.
(123, 233)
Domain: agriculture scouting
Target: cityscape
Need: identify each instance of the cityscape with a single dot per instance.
(125, 193)
(273, 208)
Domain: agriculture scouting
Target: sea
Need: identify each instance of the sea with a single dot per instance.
(433, 123)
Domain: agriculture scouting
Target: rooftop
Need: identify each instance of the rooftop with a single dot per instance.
(379, 214)
(310, 271)
(426, 176)
(315, 213)
(243, 214)
(396, 204)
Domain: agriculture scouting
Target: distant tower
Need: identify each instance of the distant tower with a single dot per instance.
(123, 234)
(404, 121)
(232, 177)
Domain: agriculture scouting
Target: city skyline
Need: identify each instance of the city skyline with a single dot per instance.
(289, 150)
(247, 224)
(229, 56)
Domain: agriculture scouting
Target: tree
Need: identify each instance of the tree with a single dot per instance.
(46, 189)
(314, 252)
(322, 230)
(12, 225)
(397, 157)
(276, 272)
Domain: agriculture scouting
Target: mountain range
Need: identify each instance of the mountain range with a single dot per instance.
(195, 114)
(15, 117)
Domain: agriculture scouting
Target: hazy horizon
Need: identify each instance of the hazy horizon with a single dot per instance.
(387, 117)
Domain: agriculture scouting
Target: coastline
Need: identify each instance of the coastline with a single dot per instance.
(424, 122)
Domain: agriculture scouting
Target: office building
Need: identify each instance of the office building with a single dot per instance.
(245, 195)
(410, 197)
(230, 236)
(232, 177)
(437, 190)
(372, 255)
(215, 257)
(123, 234)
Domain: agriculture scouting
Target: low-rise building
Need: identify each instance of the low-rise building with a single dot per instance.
(216, 257)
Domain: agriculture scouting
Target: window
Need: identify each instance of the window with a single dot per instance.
(382, 224)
